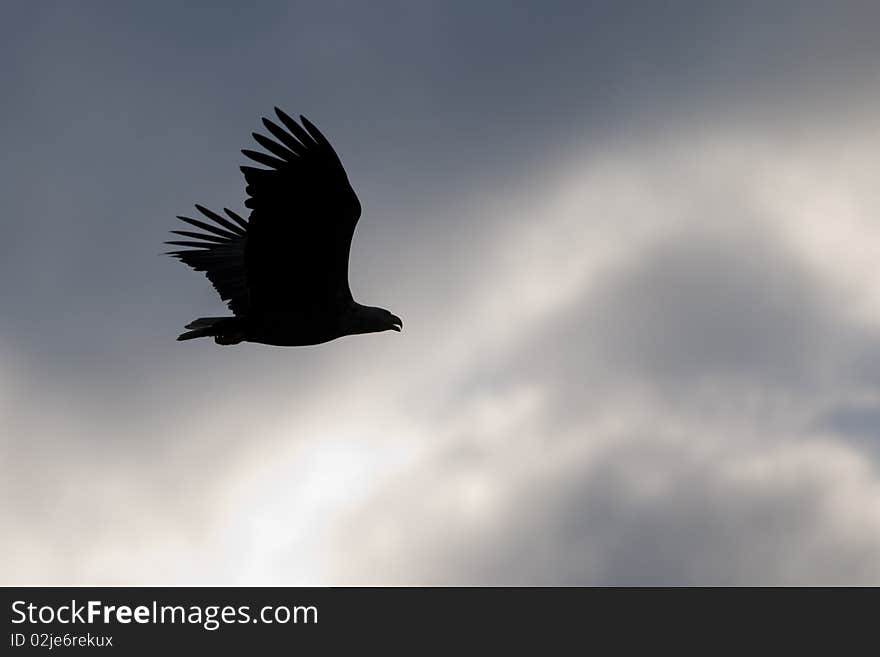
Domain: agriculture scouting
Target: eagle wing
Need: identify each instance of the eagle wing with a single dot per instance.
(303, 215)
(219, 252)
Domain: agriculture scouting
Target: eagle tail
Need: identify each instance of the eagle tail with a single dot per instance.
(224, 330)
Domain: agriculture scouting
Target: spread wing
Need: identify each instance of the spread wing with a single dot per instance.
(219, 252)
(304, 212)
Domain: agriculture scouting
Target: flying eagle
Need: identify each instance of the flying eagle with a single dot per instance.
(283, 272)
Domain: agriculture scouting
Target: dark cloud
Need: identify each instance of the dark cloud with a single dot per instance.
(858, 421)
(122, 115)
(700, 308)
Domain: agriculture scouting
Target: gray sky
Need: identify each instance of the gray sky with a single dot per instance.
(635, 249)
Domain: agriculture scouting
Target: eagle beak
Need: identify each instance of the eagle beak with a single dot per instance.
(398, 323)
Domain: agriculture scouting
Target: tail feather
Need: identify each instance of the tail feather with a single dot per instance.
(224, 330)
(204, 322)
(191, 335)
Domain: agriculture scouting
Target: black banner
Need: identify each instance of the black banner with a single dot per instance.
(134, 621)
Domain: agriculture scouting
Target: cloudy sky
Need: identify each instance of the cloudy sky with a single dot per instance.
(636, 250)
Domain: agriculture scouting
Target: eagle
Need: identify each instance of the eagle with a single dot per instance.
(283, 272)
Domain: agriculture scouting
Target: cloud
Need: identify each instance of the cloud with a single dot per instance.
(634, 388)
(660, 505)
(662, 419)
(636, 256)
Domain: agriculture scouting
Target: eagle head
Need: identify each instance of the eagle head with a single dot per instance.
(369, 319)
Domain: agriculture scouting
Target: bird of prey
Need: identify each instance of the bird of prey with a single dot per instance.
(284, 271)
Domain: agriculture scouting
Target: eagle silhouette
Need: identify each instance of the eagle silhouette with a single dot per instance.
(284, 271)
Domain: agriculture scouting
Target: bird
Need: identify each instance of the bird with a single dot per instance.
(283, 271)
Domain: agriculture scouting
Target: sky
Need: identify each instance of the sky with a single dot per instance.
(635, 249)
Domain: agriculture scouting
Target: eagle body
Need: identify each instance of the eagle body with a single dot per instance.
(284, 271)
(290, 329)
